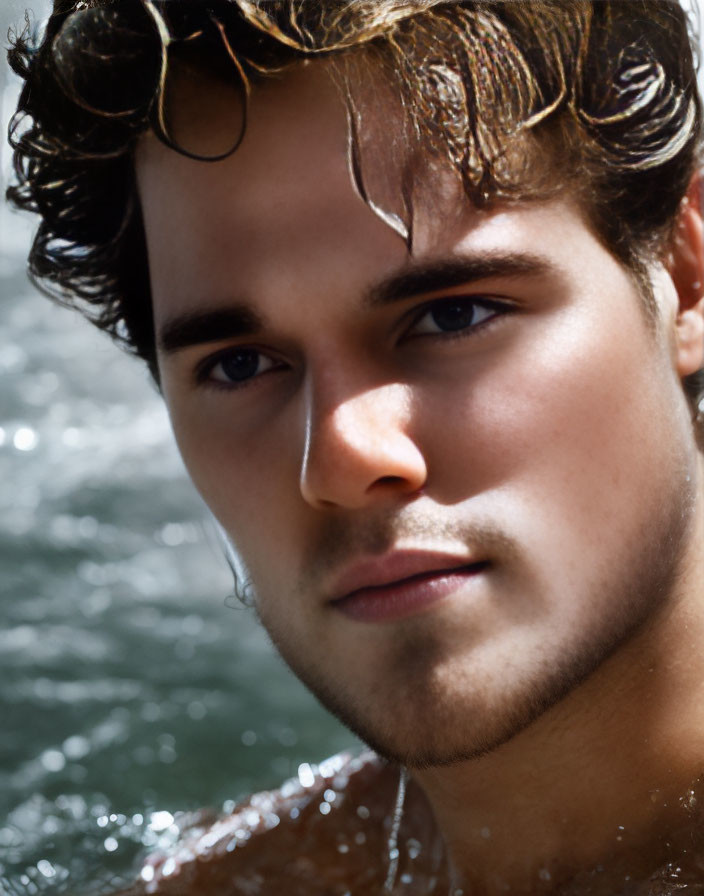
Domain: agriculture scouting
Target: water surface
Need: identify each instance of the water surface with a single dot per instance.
(127, 685)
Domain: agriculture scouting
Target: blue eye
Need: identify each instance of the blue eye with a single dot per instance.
(237, 366)
(453, 316)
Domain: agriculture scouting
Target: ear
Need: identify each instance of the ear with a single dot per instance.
(685, 264)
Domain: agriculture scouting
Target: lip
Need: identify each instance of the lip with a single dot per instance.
(401, 584)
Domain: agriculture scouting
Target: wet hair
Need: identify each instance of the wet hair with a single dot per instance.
(524, 98)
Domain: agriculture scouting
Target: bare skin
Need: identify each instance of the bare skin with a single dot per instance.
(338, 852)
(543, 679)
(344, 849)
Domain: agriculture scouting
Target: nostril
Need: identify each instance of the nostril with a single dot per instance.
(390, 482)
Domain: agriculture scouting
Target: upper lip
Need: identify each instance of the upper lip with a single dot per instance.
(388, 569)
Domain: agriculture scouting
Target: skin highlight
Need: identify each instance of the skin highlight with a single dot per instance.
(365, 429)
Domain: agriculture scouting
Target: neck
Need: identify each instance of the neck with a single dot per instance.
(603, 779)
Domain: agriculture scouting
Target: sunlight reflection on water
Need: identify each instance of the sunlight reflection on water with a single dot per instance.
(128, 687)
(129, 691)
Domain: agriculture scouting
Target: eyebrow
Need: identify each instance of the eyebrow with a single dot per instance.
(447, 273)
(198, 327)
(240, 319)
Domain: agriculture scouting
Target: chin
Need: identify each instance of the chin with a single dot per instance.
(427, 711)
(422, 724)
(431, 736)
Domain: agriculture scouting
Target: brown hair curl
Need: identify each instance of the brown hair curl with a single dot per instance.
(606, 88)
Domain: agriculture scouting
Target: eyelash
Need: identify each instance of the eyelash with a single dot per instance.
(204, 371)
(472, 303)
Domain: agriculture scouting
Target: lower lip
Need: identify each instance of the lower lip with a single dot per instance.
(407, 597)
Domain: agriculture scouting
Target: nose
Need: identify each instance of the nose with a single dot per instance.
(358, 451)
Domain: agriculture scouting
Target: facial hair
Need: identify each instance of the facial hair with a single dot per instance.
(427, 724)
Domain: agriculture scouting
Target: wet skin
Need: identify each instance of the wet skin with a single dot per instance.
(464, 485)
(308, 852)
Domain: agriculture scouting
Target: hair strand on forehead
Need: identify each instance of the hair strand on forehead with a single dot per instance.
(523, 99)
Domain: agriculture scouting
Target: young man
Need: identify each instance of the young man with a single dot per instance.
(428, 324)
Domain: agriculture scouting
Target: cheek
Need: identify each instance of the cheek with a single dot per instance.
(249, 483)
(569, 421)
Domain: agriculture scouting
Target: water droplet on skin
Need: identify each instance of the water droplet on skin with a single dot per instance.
(290, 788)
(414, 848)
(306, 775)
(406, 878)
(168, 868)
(330, 796)
(160, 821)
(252, 818)
(544, 874)
(325, 808)
(360, 838)
(363, 812)
(343, 848)
(689, 800)
(329, 767)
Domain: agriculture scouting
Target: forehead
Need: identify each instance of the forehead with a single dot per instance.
(284, 207)
(296, 136)
(286, 192)
(344, 128)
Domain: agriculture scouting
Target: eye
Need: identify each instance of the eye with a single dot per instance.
(236, 367)
(454, 315)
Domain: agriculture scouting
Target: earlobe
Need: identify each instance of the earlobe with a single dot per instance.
(690, 339)
(685, 264)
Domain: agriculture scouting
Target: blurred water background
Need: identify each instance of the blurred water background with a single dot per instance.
(128, 688)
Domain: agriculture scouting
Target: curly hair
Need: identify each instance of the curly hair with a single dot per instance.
(524, 99)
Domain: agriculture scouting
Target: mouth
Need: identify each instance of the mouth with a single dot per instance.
(402, 585)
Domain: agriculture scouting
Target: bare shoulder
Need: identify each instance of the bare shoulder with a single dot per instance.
(324, 832)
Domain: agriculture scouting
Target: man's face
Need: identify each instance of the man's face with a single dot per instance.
(456, 480)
